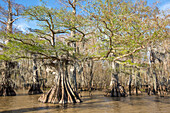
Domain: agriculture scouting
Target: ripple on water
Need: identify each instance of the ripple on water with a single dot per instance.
(97, 103)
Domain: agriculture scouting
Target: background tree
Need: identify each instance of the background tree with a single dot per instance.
(35, 86)
(48, 43)
(9, 15)
(124, 28)
(119, 30)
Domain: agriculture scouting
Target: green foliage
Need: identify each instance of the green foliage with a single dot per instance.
(119, 27)
(124, 26)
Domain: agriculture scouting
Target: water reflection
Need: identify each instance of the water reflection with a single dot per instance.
(95, 103)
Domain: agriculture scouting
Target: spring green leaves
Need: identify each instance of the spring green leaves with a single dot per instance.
(104, 29)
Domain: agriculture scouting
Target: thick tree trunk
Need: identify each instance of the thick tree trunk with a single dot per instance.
(168, 86)
(117, 89)
(130, 76)
(91, 77)
(45, 77)
(82, 82)
(153, 71)
(62, 91)
(35, 87)
(136, 82)
(130, 82)
(6, 88)
(91, 74)
(73, 78)
(155, 80)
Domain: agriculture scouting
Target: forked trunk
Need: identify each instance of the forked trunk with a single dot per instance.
(62, 91)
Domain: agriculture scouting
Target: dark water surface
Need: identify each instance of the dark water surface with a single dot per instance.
(97, 103)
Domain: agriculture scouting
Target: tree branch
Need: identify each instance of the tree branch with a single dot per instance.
(15, 19)
(2, 22)
(46, 39)
(125, 55)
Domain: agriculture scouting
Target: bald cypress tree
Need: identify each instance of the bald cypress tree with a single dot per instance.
(9, 15)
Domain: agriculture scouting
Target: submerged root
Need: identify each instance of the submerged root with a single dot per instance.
(6, 89)
(35, 89)
(61, 93)
(116, 92)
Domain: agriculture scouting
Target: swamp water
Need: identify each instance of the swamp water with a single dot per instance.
(97, 103)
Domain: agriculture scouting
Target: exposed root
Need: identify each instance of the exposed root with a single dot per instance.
(61, 93)
(116, 92)
(35, 89)
(6, 89)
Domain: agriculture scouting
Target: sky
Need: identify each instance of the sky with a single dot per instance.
(163, 4)
(23, 25)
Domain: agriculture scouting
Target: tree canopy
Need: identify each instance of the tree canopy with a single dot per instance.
(119, 27)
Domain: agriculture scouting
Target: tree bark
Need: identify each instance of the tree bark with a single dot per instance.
(117, 89)
(91, 74)
(130, 76)
(73, 75)
(62, 91)
(130, 82)
(6, 88)
(153, 71)
(136, 82)
(35, 87)
(9, 20)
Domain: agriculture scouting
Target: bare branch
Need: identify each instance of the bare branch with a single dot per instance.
(72, 4)
(125, 55)
(60, 31)
(15, 19)
(3, 22)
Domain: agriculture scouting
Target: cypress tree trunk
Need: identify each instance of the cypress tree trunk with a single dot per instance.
(6, 88)
(91, 73)
(73, 78)
(9, 20)
(83, 75)
(45, 77)
(136, 82)
(73, 75)
(117, 89)
(153, 71)
(35, 87)
(91, 77)
(130, 82)
(62, 91)
(130, 76)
